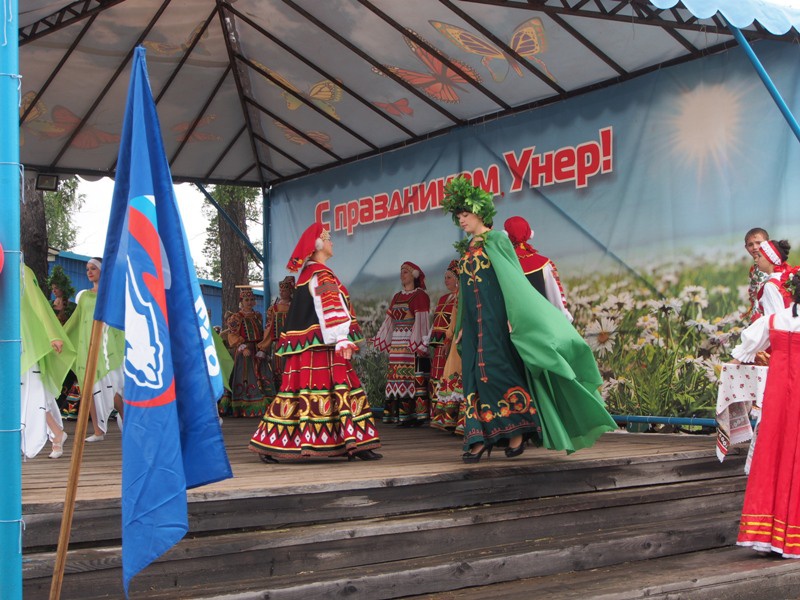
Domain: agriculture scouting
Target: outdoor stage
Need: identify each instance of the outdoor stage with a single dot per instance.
(408, 453)
(417, 522)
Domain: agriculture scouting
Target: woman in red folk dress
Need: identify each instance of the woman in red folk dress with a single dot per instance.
(538, 269)
(276, 322)
(771, 514)
(321, 409)
(251, 381)
(404, 335)
(444, 412)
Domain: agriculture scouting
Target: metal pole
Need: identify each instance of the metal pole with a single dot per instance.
(265, 236)
(230, 222)
(10, 437)
(762, 72)
(685, 421)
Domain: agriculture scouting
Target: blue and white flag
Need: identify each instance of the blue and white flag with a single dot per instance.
(172, 439)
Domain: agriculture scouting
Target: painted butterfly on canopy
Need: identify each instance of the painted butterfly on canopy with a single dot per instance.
(323, 94)
(197, 136)
(38, 111)
(63, 123)
(290, 134)
(528, 40)
(398, 108)
(168, 49)
(440, 82)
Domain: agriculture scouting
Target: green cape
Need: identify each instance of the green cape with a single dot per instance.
(561, 370)
(79, 330)
(39, 326)
(225, 359)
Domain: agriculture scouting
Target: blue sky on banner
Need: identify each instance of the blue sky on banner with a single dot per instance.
(699, 155)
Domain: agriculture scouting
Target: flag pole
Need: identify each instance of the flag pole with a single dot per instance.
(77, 456)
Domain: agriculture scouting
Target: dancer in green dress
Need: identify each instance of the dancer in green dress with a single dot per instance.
(527, 372)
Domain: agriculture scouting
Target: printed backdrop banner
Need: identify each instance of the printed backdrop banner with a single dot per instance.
(674, 164)
(640, 192)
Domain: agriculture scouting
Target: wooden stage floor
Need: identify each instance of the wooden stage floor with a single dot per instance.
(409, 455)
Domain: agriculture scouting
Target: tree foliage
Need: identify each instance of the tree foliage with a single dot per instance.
(227, 256)
(59, 208)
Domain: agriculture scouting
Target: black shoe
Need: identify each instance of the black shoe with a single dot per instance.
(366, 455)
(512, 452)
(469, 457)
(267, 459)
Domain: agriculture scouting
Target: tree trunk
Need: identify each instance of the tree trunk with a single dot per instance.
(33, 233)
(233, 255)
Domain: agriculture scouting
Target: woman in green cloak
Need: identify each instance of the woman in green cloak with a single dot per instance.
(527, 373)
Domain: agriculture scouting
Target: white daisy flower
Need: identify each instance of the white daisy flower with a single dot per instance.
(695, 294)
(713, 368)
(601, 334)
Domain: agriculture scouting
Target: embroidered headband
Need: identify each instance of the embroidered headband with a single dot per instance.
(770, 251)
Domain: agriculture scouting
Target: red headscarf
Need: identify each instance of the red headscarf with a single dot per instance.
(306, 246)
(419, 275)
(519, 232)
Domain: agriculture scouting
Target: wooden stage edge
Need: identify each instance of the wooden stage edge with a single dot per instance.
(411, 456)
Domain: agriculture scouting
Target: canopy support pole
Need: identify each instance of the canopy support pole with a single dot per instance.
(266, 205)
(762, 73)
(11, 523)
(230, 222)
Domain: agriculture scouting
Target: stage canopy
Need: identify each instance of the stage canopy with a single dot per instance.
(259, 92)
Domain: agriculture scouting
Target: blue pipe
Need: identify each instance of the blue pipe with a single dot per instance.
(230, 222)
(10, 438)
(762, 72)
(377, 411)
(665, 420)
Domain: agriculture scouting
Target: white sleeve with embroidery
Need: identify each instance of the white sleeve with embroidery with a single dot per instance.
(553, 291)
(754, 339)
(338, 333)
(383, 339)
(420, 332)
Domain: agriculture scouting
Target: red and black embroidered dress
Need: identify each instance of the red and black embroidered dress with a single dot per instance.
(251, 379)
(403, 335)
(321, 409)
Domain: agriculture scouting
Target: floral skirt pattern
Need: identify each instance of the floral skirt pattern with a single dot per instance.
(321, 410)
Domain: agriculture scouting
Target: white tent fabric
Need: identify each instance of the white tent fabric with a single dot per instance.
(258, 92)
(776, 16)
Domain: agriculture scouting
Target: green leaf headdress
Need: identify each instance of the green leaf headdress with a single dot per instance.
(460, 196)
(62, 281)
